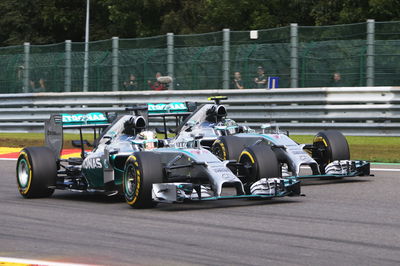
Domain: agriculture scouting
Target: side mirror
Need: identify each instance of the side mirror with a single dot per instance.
(113, 151)
(265, 127)
(108, 138)
(199, 136)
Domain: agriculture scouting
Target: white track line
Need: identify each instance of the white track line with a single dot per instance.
(37, 262)
(385, 169)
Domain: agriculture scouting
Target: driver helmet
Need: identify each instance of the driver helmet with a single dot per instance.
(231, 126)
(149, 140)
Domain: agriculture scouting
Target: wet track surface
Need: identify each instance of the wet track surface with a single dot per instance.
(352, 222)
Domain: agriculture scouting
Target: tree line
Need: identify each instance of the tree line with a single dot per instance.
(52, 21)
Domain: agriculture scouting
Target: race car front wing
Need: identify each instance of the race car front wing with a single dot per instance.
(262, 189)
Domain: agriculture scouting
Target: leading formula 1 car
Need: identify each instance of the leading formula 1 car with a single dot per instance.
(130, 160)
(328, 156)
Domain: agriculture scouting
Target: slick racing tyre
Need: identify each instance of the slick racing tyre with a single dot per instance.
(258, 161)
(330, 146)
(142, 170)
(229, 147)
(36, 172)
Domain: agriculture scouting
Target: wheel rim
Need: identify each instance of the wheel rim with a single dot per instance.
(323, 154)
(248, 168)
(217, 150)
(130, 181)
(23, 173)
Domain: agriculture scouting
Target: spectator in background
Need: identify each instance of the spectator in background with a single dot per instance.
(261, 79)
(237, 82)
(156, 85)
(337, 80)
(131, 84)
(39, 86)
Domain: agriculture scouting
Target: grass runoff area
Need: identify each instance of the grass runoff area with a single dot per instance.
(374, 149)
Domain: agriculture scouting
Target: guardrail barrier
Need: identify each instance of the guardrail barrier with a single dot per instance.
(369, 111)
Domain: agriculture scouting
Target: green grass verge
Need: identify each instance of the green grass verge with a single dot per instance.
(375, 149)
(35, 139)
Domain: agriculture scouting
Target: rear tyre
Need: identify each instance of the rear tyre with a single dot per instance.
(142, 170)
(36, 172)
(330, 146)
(258, 161)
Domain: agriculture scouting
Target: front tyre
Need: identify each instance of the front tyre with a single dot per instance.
(142, 170)
(36, 172)
(258, 161)
(330, 146)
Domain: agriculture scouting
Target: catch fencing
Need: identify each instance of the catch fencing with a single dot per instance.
(367, 111)
(365, 54)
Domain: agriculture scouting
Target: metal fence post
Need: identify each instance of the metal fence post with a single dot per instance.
(115, 74)
(67, 70)
(294, 59)
(26, 67)
(225, 58)
(170, 58)
(370, 51)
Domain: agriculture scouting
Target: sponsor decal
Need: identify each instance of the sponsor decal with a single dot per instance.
(194, 151)
(84, 118)
(167, 107)
(92, 163)
(220, 169)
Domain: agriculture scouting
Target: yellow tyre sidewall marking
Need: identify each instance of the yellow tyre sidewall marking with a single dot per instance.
(138, 181)
(25, 190)
(222, 148)
(248, 154)
(321, 139)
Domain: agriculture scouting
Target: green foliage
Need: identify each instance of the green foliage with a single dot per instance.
(49, 21)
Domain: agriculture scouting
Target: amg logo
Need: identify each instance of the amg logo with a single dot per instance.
(92, 163)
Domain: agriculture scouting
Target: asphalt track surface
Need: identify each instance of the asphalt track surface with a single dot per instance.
(352, 222)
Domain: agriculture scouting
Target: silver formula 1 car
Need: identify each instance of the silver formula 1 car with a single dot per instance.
(328, 156)
(128, 159)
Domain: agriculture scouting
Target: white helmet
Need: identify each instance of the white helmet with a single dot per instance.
(149, 140)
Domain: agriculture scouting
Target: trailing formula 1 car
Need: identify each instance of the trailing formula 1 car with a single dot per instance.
(128, 159)
(328, 156)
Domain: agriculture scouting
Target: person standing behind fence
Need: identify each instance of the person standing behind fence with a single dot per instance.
(237, 82)
(131, 84)
(39, 86)
(156, 85)
(260, 80)
(337, 80)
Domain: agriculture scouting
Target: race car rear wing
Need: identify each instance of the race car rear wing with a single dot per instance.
(54, 126)
(177, 110)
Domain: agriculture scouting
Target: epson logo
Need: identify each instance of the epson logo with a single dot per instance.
(92, 163)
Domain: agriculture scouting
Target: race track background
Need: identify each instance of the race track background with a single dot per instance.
(349, 222)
